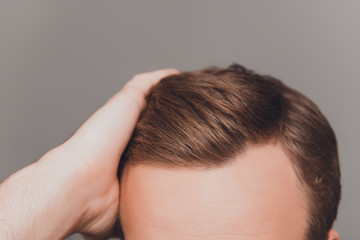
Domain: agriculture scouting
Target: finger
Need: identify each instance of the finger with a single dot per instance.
(141, 83)
(109, 129)
(144, 81)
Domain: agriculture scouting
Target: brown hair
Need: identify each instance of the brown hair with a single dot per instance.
(206, 117)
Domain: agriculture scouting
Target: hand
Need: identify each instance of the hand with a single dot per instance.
(74, 187)
(95, 150)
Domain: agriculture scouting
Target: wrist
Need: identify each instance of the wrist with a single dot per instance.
(97, 188)
(68, 191)
(94, 201)
(41, 201)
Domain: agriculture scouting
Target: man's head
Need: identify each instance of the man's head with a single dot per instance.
(229, 154)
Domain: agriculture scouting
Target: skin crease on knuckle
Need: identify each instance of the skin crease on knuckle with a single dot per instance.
(255, 197)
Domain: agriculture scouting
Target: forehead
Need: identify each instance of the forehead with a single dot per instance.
(257, 196)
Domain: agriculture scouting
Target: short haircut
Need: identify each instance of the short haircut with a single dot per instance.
(206, 117)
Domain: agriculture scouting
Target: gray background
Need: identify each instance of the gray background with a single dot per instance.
(61, 60)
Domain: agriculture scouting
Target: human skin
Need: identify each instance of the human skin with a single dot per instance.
(74, 188)
(257, 196)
